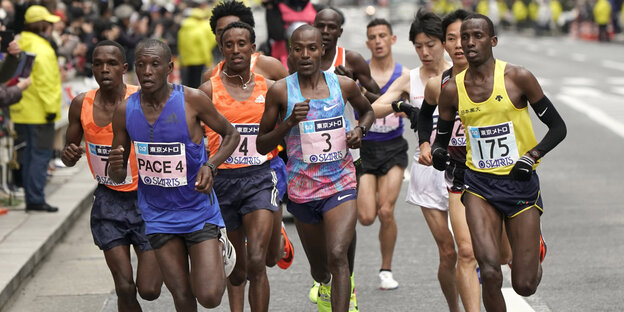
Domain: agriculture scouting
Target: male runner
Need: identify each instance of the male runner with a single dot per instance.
(310, 107)
(348, 63)
(427, 187)
(181, 212)
(384, 153)
(280, 250)
(248, 211)
(116, 220)
(491, 97)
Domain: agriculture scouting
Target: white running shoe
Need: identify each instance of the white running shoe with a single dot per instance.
(387, 282)
(229, 254)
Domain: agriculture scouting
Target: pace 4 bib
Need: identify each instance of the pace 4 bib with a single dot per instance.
(246, 152)
(98, 159)
(493, 146)
(323, 140)
(161, 164)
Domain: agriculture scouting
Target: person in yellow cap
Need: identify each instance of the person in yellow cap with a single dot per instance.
(602, 17)
(195, 43)
(40, 107)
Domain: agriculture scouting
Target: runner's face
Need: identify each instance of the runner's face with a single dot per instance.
(152, 69)
(429, 49)
(476, 40)
(222, 23)
(328, 22)
(380, 41)
(237, 49)
(306, 51)
(453, 44)
(108, 67)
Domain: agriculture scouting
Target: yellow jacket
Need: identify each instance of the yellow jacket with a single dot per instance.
(44, 94)
(602, 12)
(195, 42)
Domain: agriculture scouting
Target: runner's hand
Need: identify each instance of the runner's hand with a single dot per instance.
(523, 169)
(72, 153)
(299, 113)
(204, 180)
(354, 138)
(401, 106)
(425, 154)
(440, 158)
(343, 71)
(115, 160)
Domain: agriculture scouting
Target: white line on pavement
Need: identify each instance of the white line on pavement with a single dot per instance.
(616, 80)
(583, 81)
(594, 113)
(515, 302)
(613, 64)
(579, 57)
(618, 90)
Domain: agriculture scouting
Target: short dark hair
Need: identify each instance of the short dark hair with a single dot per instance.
(305, 27)
(115, 44)
(492, 31)
(153, 43)
(457, 15)
(231, 8)
(252, 33)
(428, 23)
(379, 21)
(342, 17)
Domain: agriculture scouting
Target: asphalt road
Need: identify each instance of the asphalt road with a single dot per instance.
(583, 221)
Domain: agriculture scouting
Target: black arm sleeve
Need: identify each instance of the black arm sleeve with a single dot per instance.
(557, 130)
(425, 122)
(443, 136)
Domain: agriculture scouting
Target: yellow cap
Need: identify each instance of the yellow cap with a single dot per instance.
(36, 13)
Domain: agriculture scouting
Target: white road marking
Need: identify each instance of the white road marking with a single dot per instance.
(593, 113)
(551, 52)
(616, 80)
(582, 81)
(618, 90)
(515, 302)
(581, 92)
(579, 57)
(613, 64)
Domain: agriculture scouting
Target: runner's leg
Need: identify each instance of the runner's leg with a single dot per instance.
(207, 272)
(118, 261)
(149, 280)
(523, 231)
(389, 187)
(258, 227)
(173, 262)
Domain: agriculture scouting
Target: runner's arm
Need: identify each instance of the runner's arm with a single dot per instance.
(383, 105)
(363, 109)
(447, 108)
(276, 101)
(73, 136)
(545, 111)
(270, 68)
(120, 148)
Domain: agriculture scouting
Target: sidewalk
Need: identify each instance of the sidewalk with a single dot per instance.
(26, 238)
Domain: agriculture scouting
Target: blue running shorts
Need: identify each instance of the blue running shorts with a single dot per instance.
(312, 212)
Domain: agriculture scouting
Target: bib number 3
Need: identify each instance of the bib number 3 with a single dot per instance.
(323, 140)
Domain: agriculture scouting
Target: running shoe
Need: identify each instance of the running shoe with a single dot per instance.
(387, 282)
(285, 262)
(353, 307)
(313, 295)
(323, 303)
(229, 254)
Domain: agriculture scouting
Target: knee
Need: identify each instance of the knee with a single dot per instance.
(337, 258)
(125, 290)
(272, 259)
(237, 277)
(465, 253)
(366, 219)
(491, 275)
(210, 298)
(149, 294)
(448, 256)
(524, 286)
(255, 265)
(386, 213)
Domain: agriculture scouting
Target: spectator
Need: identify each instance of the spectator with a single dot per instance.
(40, 107)
(133, 29)
(9, 94)
(602, 17)
(195, 43)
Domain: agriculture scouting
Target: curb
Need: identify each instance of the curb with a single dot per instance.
(35, 236)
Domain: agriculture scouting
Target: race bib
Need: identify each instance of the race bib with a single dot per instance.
(98, 159)
(323, 140)
(386, 124)
(457, 137)
(493, 146)
(246, 152)
(161, 164)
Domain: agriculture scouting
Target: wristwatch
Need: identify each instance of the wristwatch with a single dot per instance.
(364, 131)
(212, 167)
(535, 154)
